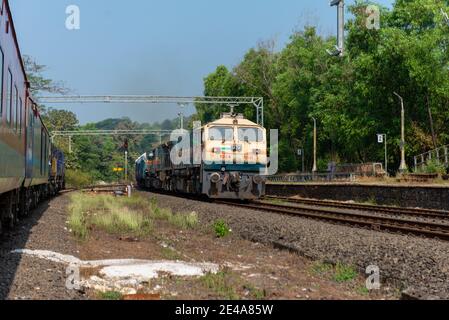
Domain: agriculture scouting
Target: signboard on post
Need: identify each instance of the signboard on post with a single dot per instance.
(380, 138)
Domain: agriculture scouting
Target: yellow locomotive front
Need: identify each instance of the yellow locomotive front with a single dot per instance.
(234, 158)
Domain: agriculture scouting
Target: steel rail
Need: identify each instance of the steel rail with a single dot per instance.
(378, 223)
(424, 213)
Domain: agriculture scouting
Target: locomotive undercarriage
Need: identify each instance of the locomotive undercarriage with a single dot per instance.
(233, 185)
(227, 185)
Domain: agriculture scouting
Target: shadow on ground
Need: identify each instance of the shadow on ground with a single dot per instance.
(16, 239)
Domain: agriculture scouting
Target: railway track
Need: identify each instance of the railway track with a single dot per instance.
(363, 219)
(113, 188)
(409, 221)
(411, 212)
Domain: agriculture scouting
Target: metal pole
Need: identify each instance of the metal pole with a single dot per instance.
(181, 121)
(340, 47)
(403, 166)
(126, 165)
(386, 155)
(181, 114)
(341, 27)
(315, 168)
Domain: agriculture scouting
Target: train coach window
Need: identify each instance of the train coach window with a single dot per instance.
(221, 134)
(2, 65)
(9, 98)
(250, 134)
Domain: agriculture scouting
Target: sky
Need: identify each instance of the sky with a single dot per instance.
(154, 47)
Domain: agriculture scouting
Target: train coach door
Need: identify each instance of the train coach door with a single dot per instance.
(29, 139)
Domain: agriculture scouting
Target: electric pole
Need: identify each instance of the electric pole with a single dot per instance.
(315, 167)
(340, 47)
(403, 166)
(126, 146)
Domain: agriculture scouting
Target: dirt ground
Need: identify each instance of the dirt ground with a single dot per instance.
(248, 270)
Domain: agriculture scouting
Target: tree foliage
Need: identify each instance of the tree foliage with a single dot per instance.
(38, 82)
(351, 97)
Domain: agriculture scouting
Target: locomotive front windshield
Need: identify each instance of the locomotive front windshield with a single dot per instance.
(249, 134)
(245, 134)
(225, 134)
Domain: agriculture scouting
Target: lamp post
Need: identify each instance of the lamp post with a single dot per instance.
(181, 114)
(403, 166)
(315, 168)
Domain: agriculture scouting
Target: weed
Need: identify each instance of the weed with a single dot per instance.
(363, 291)
(184, 221)
(433, 166)
(321, 268)
(125, 215)
(371, 200)
(220, 283)
(170, 254)
(110, 295)
(344, 273)
(221, 229)
(114, 215)
(256, 293)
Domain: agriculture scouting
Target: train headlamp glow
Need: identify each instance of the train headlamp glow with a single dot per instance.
(258, 179)
(215, 177)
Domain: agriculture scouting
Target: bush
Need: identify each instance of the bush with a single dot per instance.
(221, 229)
(433, 166)
(77, 179)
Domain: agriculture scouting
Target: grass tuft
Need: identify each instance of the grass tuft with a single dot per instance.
(220, 283)
(121, 215)
(344, 273)
(110, 295)
(339, 273)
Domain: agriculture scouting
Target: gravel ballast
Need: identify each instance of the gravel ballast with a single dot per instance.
(26, 278)
(418, 266)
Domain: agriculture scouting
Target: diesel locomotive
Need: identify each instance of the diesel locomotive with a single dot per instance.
(227, 160)
(31, 168)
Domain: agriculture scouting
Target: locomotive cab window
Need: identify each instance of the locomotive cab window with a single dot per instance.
(225, 134)
(250, 134)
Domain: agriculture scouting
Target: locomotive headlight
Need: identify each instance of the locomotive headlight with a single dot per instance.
(215, 177)
(258, 179)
